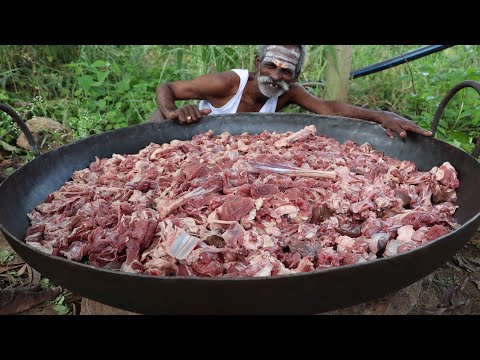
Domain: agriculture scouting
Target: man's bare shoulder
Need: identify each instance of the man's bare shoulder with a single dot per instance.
(219, 84)
(223, 76)
(295, 91)
(296, 88)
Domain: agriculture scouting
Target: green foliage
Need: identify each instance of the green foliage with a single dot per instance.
(45, 283)
(415, 90)
(93, 88)
(6, 256)
(8, 147)
(116, 96)
(60, 303)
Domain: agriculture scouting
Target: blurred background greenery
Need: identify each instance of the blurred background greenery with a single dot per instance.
(95, 88)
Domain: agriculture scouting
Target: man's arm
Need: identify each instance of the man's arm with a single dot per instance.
(211, 86)
(389, 120)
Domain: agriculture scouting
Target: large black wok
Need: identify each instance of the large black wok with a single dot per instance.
(312, 292)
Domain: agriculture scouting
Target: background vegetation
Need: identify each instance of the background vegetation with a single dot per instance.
(96, 88)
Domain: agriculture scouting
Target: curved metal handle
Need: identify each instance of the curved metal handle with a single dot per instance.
(444, 102)
(7, 109)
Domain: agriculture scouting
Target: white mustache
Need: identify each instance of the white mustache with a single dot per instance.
(266, 80)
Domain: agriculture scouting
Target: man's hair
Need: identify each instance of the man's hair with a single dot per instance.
(262, 50)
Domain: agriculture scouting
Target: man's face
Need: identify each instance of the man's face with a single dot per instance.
(277, 70)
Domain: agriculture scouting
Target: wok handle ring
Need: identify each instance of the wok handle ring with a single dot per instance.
(444, 102)
(13, 114)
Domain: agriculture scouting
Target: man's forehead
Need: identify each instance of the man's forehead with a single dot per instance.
(282, 56)
(291, 50)
(292, 53)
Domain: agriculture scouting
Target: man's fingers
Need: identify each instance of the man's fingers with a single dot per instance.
(190, 114)
(187, 120)
(390, 133)
(172, 115)
(417, 129)
(421, 131)
(399, 130)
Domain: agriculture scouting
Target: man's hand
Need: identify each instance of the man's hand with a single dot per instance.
(17, 299)
(395, 123)
(188, 114)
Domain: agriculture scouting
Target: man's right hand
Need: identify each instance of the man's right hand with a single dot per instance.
(188, 114)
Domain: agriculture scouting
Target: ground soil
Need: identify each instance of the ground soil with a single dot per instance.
(8, 163)
(453, 289)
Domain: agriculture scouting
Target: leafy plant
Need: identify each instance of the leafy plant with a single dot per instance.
(60, 304)
(45, 283)
(418, 98)
(6, 256)
(92, 88)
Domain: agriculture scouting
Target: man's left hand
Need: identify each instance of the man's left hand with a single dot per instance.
(395, 123)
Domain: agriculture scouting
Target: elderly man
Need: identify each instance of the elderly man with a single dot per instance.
(270, 88)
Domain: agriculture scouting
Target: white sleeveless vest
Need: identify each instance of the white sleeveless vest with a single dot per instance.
(232, 105)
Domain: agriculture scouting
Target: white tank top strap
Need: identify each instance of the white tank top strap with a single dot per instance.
(270, 106)
(232, 105)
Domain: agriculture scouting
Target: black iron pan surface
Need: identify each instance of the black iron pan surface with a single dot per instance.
(303, 293)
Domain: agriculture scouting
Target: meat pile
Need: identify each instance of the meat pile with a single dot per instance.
(245, 205)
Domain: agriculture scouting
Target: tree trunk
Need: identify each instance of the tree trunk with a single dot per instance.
(338, 72)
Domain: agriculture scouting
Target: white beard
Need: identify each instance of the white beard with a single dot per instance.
(271, 91)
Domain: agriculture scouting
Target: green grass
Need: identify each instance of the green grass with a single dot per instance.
(414, 90)
(93, 88)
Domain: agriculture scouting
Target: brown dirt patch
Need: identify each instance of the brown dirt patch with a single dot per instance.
(9, 164)
(452, 289)
(16, 272)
